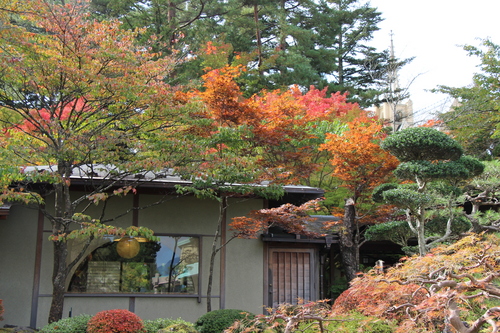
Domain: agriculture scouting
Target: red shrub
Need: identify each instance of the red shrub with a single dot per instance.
(115, 321)
(1, 309)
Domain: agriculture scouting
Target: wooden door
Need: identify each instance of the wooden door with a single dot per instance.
(292, 275)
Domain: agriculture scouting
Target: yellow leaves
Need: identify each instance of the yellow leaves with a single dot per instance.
(92, 80)
(474, 254)
(94, 228)
(81, 50)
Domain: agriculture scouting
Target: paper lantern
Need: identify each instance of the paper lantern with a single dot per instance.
(128, 247)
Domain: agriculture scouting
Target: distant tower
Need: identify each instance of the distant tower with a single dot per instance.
(393, 70)
(394, 110)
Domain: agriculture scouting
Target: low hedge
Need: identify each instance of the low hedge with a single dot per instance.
(218, 320)
(175, 325)
(77, 324)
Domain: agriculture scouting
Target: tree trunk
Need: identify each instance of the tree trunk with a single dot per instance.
(257, 35)
(172, 266)
(340, 60)
(422, 247)
(60, 224)
(348, 247)
(59, 276)
(422, 242)
(171, 22)
(215, 249)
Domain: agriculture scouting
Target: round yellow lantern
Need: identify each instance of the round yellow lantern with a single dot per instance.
(128, 247)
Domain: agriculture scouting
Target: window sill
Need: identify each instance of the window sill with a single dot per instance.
(141, 295)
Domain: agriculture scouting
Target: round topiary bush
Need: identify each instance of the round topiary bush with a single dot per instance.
(77, 324)
(218, 320)
(115, 321)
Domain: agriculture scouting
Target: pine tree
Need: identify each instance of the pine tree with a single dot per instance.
(321, 43)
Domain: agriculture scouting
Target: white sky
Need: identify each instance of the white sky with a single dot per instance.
(433, 31)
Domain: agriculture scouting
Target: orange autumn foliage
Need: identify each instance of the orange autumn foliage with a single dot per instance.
(372, 298)
(432, 123)
(293, 219)
(277, 123)
(281, 117)
(224, 99)
(357, 157)
(453, 288)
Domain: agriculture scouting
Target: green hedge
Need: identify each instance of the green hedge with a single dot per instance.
(219, 320)
(352, 323)
(77, 324)
(153, 326)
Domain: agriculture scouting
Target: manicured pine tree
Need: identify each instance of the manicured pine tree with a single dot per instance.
(427, 156)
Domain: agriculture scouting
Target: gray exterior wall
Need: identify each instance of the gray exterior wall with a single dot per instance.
(27, 299)
(17, 263)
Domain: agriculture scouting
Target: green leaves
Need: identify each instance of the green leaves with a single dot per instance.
(473, 165)
(396, 231)
(422, 143)
(473, 121)
(378, 192)
(463, 168)
(435, 162)
(407, 198)
(96, 229)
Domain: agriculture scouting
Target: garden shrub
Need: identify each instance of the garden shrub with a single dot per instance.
(352, 323)
(313, 317)
(1, 310)
(153, 326)
(179, 328)
(76, 324)
(115, 321)
(218, 320)
(17, 329)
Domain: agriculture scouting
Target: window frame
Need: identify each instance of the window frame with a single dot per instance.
(197, 295)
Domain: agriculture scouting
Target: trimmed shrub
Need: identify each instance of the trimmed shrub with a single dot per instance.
(115, 321)
(179, 328)
(153, 326)
(353, 323)
(218, 320)
(76, 324)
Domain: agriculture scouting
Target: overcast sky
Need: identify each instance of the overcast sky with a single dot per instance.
(433, 31)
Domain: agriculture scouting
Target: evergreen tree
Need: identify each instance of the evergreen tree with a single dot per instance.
(304, 42)
(341, 55)
(473, 119)
(320, 43)
(436, 164)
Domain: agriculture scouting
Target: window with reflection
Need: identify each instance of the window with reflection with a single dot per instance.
(122, 266)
